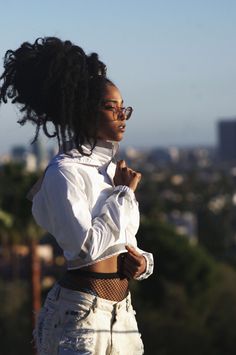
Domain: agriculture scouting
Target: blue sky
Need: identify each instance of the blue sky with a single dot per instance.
(174, 61)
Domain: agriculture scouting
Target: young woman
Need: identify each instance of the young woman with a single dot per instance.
(85, 200)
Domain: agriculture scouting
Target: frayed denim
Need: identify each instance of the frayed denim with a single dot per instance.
(74, 322)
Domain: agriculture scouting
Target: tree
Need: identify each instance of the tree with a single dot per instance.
(189, 301)
(15, 183)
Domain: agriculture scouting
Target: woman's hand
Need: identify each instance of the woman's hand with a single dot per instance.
(133, 263)
(126, 176)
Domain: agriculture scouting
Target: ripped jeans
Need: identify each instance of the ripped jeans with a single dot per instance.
(74, 322)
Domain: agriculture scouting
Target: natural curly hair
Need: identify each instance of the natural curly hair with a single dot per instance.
(55, 81)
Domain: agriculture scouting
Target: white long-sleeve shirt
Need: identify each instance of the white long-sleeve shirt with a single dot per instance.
(79, 205)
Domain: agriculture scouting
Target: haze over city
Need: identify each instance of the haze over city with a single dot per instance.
(174, 61)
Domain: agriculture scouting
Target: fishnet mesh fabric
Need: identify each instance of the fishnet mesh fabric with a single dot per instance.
(113, 289)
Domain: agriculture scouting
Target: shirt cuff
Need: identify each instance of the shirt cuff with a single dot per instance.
(149, 267)
(126, 191)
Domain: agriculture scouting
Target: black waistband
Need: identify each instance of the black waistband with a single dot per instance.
(95, 275)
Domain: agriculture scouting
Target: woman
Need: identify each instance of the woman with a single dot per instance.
(85, 200)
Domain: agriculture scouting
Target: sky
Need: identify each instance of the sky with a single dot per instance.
(174, 61)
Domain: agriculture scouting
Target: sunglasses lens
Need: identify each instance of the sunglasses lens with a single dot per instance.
(128, 112)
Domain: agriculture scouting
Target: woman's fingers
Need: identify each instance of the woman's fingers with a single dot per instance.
(129, 269)
(133, 264)
(126, 176)
(139, 176)
(121, 164)
(132, 251)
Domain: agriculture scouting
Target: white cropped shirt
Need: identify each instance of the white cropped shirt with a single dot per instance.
(78, 204)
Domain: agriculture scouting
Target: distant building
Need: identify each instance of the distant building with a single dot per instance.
(227, 140)
(30, 162)
(185, 223)
(21, 155)
(18, 153)
(40, 151)
(5, 158)
(160, 156)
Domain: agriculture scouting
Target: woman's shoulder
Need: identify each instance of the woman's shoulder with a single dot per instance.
(67, 169)
(73, 157)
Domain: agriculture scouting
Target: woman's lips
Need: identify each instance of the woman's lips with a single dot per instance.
(122, 128)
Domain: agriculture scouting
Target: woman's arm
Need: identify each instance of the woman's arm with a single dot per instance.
(62, 208)
(137, 264)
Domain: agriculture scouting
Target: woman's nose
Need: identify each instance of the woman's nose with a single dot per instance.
(122, 115)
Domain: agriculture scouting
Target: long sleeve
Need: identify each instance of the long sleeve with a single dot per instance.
(149, 265)
(62, 208)
(131, 231)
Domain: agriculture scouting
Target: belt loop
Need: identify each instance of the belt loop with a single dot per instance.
(57, 292)
(127, 304)
(115, 310)
(94, 305)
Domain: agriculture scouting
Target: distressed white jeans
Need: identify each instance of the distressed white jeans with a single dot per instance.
(74, 322)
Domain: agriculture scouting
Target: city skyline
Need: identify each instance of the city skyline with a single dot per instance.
(174, 62)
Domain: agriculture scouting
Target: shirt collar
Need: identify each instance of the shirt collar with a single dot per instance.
(103, 153)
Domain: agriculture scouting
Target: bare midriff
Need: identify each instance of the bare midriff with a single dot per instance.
(105, 279)
(109, 265)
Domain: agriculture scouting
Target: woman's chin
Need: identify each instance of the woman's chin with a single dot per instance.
(114, 138)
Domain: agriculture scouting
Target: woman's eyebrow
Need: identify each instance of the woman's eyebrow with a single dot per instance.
(113, 100)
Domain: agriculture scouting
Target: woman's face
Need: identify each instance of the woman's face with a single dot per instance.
(112, 122)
